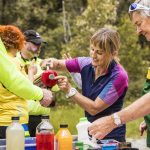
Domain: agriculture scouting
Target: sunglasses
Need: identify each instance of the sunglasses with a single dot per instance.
(136, 6)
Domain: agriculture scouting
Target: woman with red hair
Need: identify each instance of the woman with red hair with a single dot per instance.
(12, 38)
(14, 91)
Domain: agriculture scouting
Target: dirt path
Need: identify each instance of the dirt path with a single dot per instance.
(139, 143)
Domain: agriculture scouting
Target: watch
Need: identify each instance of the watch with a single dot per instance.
(117, 120)
(71, 93)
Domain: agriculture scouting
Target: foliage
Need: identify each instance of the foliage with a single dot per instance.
(78, 20)
(96, 16)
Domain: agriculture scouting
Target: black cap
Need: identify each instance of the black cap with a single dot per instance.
(45, 117)
(15, 118)
(63, 125)
(34, 37)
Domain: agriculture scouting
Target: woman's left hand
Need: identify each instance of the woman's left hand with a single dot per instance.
(63, 83)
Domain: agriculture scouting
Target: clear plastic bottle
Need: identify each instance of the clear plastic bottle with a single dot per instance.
(45, 135)
(63, 138)
(15, 135)
(82, 128)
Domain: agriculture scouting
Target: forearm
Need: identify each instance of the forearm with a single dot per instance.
(15, 82)
(139, 108)
(55, 64)
(87, 104)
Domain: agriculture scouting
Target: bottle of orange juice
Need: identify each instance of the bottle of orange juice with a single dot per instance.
(63, 138)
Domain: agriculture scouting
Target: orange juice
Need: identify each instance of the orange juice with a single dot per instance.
(63, 138)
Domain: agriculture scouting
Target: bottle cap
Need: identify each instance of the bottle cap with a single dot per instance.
(15, 118)
(148, 73)
(90, 148)
(83, 119)
(79, 143)
(63, 125)
(45, 117)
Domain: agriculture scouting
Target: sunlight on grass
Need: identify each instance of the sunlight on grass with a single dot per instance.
(66, 114)
(133, 129)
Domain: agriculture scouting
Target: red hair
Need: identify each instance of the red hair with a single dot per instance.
(12, 37)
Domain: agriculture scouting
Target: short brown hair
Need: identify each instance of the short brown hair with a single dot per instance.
(12, 37)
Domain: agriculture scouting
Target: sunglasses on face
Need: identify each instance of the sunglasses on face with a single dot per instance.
(136, 6)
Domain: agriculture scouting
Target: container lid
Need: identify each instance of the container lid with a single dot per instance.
(15, 118)
(125, 144)
(45, 117)
(78, 143)
(129, 148)
(63, 125)
(93, 148)
(83, 119)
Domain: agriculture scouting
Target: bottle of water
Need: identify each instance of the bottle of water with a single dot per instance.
(15, 135)
(82, 128)
(45, 135)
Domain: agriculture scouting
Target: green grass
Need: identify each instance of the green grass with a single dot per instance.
(66, 114)
(71, 114)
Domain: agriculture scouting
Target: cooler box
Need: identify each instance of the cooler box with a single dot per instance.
(30, 143)
(109, 144)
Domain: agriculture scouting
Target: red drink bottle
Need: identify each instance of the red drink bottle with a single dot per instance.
(45, 135)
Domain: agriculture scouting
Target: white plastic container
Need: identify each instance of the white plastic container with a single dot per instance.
(82, 128)
(15, 135)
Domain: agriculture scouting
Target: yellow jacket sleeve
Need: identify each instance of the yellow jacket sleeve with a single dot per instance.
(14, 81)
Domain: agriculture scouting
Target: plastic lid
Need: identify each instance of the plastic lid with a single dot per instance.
(83, 119)
(93, 148)
(45, 117)
(125, 144)
(63, 125)
(79, 143)
(15, 118)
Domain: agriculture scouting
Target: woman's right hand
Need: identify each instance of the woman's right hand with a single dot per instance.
(142, 127)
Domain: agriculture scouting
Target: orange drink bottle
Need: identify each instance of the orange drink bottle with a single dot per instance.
(63, 138)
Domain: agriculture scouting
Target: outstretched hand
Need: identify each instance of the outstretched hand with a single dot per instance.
(101, 127)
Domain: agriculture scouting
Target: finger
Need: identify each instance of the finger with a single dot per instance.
(99, 135)
(142, 131)
(64, 56)
(92, 129)
(60, 77)
(69, 56)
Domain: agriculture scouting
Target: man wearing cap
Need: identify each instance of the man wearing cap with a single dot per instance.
(29, 61)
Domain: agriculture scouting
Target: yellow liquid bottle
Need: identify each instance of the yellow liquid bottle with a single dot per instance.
(63, 138)
(15, 135)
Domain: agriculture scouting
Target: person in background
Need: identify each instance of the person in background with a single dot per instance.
(104, 80)
(30, 63)
(14, 87)
(139, 13)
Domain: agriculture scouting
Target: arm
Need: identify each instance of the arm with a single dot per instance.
(55, 64)
(15, 82)
(109, 95)
(139, 108)
(93, 107)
